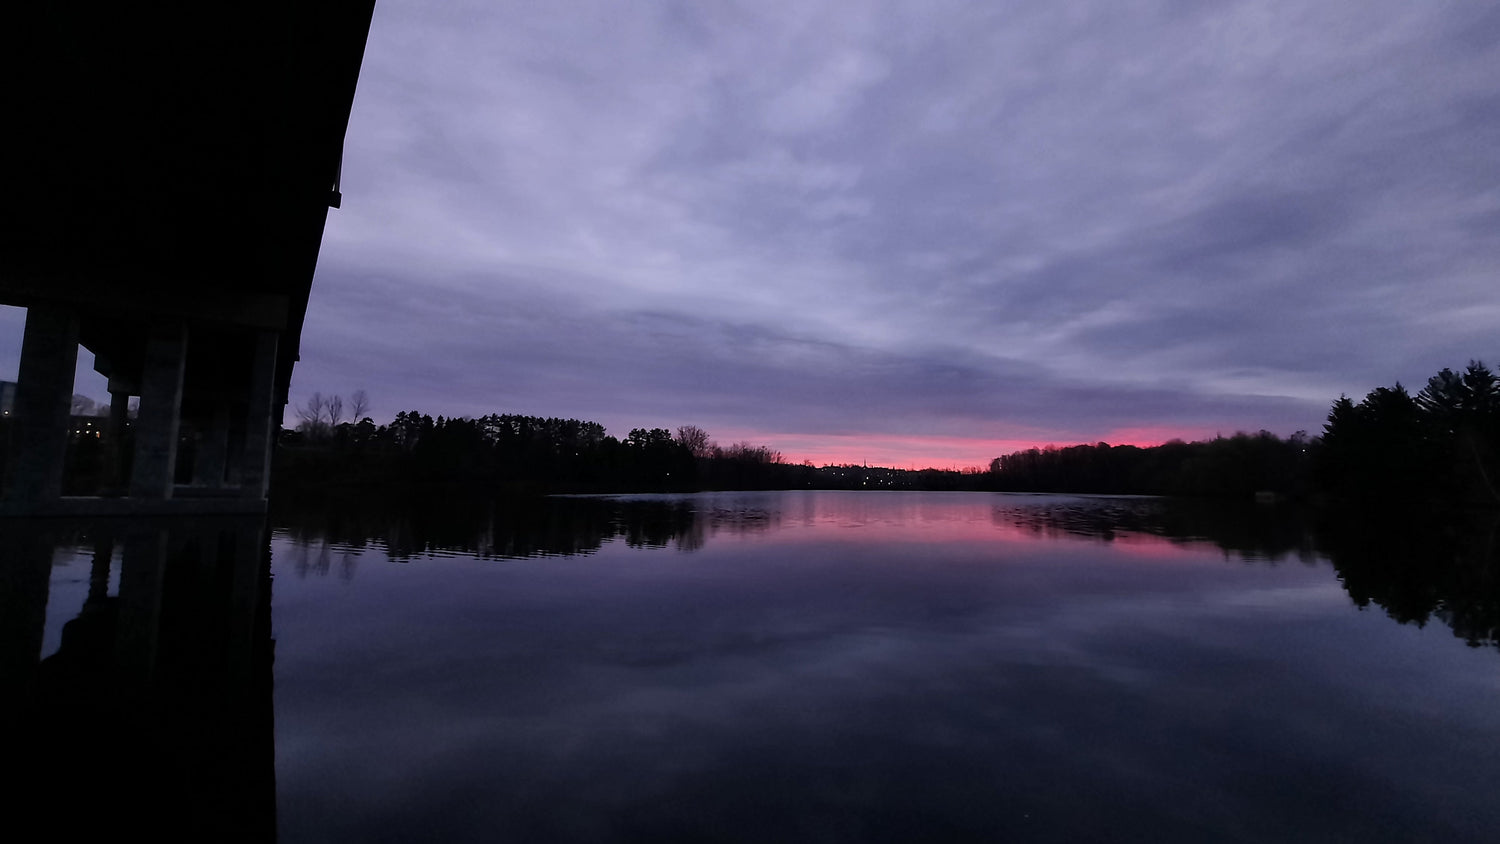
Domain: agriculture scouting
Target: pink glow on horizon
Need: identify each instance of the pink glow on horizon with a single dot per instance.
(900, 451)
(918, 451)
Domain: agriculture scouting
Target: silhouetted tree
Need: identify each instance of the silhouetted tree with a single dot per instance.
(359, 405)
(694, 439)
(1464, 412)
(1240, 466)
(1439, 448)
(311, 415)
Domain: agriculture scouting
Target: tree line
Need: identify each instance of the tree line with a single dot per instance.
(505, 451)
(516, 453)
(1440, 446)
(1239, 466)
(533, 454)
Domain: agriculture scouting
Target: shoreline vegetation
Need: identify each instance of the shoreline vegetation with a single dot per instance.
(1439, 448)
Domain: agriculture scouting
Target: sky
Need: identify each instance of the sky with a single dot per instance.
(917, 233)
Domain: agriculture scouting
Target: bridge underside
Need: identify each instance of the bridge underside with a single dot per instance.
(208, 385)
(169, 197)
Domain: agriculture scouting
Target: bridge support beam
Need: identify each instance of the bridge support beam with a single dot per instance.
(213, 448)
(226, 387)
(44, 397)
(115, 480)
(260, 419)
(160, 413)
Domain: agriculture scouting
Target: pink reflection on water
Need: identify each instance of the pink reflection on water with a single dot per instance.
(1148, 546)
(924, 519)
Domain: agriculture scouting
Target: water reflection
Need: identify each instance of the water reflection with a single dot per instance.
(153, 714)
(326, 532)
(891, 664)
(864, 667)
(1417, 567)
(1420, 569)
(1415, 570)
(1269, 534)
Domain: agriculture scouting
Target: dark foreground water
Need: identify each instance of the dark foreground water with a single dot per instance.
(862, 667)
(804, 666)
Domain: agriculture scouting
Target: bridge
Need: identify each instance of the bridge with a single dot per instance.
(167, 198)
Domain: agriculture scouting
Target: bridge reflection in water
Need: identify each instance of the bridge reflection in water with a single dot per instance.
(154, 713)
(173, 170)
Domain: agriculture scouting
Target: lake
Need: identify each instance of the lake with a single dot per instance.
(839, 666)
(843, 666)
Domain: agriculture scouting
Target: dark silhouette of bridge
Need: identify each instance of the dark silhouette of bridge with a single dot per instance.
(151, 718)
(166, 200)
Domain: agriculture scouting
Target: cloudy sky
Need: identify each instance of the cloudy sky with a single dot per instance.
(913, 233)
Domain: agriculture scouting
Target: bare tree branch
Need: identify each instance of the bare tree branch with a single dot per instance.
(695, 439)
(311, 415)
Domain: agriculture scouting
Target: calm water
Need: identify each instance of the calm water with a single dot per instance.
(804, 666)
(868, 667)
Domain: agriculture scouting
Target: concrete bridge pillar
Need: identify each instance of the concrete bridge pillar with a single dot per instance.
(229, 393)
(43, 403)
(260, 419)
(119, 419)
(160, 412)
(213, 448)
